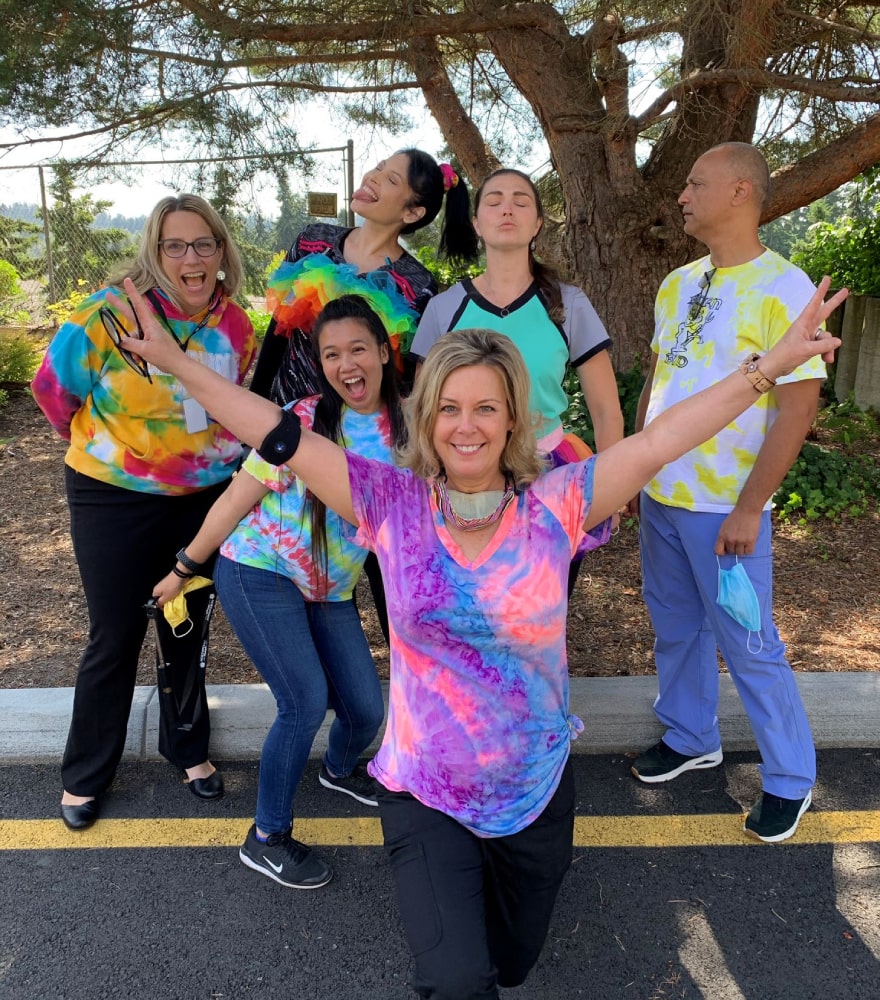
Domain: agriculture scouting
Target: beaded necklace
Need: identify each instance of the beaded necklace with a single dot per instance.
(485, 508)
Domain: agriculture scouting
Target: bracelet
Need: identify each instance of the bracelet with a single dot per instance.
(190, 564)
(753, 373)
(280, 444)
(181, 574)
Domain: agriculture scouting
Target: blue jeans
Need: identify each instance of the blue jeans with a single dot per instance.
(311, 655)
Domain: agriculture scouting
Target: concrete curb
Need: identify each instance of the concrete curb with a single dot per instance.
(844, 711)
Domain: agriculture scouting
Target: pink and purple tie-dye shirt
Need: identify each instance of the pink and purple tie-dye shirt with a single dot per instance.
(132, 433)
(276, 535)
(478, 724)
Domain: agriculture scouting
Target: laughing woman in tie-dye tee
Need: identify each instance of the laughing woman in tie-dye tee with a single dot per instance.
(285, 576)
(144, 465)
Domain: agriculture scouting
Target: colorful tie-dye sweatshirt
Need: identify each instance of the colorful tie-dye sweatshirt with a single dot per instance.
(140, 434)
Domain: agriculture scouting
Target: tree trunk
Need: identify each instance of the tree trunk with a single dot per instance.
(620, 244)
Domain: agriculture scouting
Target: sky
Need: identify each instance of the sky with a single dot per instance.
(136, 197)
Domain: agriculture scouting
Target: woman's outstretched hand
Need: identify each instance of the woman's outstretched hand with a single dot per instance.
(804, 338)
(157, 347)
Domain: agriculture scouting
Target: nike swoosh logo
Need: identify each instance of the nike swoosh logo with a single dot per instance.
(275, 868)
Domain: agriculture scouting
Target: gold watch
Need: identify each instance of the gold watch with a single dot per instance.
(753, 373)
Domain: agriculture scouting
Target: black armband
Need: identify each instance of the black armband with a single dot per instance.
(280, 444)
(190, 564)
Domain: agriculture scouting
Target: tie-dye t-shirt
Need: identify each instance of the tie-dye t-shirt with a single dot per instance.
(702, 335)
(276, 535)
(478, 724)
(137, 434)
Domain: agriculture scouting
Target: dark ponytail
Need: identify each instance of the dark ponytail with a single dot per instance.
(430, 183)
(328, 411)
(546, 277)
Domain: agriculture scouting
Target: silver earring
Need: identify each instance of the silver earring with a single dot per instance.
(221, 275)
(532, 245)
(479, 243)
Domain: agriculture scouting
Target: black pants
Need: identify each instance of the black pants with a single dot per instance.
(124, 543)
(475, 910)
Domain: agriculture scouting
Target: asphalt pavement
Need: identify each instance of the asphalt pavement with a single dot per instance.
(666, 899)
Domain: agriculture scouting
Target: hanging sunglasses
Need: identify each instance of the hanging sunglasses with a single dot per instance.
(116, 331)
(699, 302)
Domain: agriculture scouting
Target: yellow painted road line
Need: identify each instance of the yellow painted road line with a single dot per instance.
(717, 830)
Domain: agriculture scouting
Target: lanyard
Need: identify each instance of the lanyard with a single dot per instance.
(157, 305)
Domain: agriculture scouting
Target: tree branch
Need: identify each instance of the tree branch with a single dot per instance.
(513, 15)
(825, 170)
(444, 104)
(759, 80)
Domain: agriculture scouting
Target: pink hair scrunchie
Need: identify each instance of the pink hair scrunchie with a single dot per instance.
(450, 177)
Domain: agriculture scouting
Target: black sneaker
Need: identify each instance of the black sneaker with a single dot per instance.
(773, 818)
(662, 763)
(284, 860)
(359, 785)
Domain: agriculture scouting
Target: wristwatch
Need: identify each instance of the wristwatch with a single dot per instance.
(753, 373)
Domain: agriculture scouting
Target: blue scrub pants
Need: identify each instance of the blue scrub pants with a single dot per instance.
(680, 587)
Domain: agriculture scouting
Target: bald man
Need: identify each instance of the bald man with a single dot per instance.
(705, 519)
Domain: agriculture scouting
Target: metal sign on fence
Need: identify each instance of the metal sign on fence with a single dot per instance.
(322, 204)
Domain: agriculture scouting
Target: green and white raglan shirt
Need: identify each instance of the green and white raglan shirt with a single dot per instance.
(700, 339)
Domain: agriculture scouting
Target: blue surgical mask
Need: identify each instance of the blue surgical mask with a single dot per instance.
(737, 597)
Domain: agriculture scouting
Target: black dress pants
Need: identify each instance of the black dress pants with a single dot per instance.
(125, 542)
(475, 910)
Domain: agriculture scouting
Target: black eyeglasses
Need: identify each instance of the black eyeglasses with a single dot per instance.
(698, 304)
(116, 331)
(207, 246)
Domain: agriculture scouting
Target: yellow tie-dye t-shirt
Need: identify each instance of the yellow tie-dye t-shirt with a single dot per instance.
(701, 335)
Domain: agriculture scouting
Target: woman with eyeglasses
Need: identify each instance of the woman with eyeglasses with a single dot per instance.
(144, 466)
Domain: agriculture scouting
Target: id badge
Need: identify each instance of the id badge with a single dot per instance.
(196, 417)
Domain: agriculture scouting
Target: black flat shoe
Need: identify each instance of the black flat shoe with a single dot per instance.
(207, 788)
(80, 817)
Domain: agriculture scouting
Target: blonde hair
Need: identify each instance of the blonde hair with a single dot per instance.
(146, 269)
(464, 349)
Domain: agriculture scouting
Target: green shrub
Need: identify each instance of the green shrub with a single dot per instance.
(849, 425)
(445, 272)
(19, 359)
(61, 311)
(260, 321)
(577, 417)
(11, 297)
(848, 251)
(825, 483)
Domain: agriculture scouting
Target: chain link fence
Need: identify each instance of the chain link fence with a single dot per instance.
(59, 239)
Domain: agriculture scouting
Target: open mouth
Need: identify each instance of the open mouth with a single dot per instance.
(194, 279)
(356, 388)
(467, 449)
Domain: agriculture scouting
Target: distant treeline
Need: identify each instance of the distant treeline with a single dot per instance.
(29, 213)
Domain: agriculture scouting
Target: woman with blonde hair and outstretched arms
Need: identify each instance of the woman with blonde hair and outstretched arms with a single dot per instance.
(474, 539)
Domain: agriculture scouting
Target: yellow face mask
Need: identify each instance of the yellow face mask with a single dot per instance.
(175, 611)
